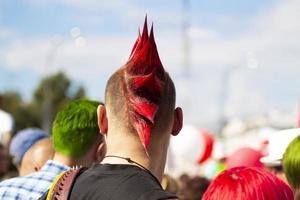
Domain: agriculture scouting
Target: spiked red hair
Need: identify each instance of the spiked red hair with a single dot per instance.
(144, 82)
(248, 183)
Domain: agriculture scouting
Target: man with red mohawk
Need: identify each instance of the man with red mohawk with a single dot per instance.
(137, 121)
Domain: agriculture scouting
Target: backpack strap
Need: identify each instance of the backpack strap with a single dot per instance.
(62, 185)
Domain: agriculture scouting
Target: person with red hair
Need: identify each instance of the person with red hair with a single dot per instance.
(248, 183)
(137, 121)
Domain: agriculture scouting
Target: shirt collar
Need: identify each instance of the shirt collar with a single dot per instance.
(52, 164)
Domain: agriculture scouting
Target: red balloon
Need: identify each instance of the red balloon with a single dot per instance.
(246, 156)
(209, 144)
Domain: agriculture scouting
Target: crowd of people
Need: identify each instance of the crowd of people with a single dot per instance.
(118, 149)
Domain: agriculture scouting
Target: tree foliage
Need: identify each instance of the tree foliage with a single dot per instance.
(13, 104)
(51, 94)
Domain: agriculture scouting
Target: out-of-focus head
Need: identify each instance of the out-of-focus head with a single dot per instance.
(246, 157)
(291, 163)
(4, 160)
(140, 96)
(170, 184)
(22, 141)
(194, 188)
(75, 130)
(248, 183)
(37, 156)
(7, 126)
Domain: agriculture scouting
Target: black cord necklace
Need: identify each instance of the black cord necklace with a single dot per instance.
(129, 160)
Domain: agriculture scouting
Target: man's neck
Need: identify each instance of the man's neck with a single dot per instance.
(140, 159)
(297, 193)
(66, 160)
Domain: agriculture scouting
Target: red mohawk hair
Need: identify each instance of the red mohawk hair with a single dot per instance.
(144, 81)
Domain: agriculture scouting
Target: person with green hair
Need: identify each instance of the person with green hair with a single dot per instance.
(77, 142)
(291, 165)
(75, 133)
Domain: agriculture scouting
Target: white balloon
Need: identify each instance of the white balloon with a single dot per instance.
(185, 151)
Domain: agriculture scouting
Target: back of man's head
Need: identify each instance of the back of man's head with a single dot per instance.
(140, 96)
(4, 160)
(37, 156)
(75, 130)
(22, 141)
(1, 101)
(291, 163)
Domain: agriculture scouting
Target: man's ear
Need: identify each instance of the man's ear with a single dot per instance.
(177, 124)
(102, 119)
(101, 151)
(36, 168)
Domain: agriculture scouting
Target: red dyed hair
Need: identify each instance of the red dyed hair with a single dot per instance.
(144, 78)
(248, 183)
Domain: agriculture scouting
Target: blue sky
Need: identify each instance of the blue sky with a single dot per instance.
(33, 18)
(223, 35)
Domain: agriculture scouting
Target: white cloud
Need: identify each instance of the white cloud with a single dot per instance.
(5, 33)
(241, 96)
(202, 34)
(83, 4)
(30, 53)
(97, 53)
(272, 39)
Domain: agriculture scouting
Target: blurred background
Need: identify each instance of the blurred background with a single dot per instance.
(235, 63)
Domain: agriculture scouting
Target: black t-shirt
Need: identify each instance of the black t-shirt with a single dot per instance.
(116, 182)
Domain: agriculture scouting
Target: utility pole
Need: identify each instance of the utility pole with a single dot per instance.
(56, 43)
(185, 37)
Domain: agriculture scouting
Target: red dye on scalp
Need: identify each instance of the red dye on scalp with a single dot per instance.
(144, 78)
(247, 183)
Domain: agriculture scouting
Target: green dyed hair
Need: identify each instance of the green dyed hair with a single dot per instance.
(75, 127)
(291, 163)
